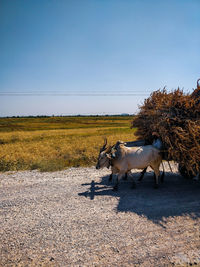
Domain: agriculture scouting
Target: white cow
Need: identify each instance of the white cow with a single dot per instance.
(129, 158)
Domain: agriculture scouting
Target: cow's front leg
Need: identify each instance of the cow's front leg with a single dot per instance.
(110, 177)
(119, 176)
(156, 175)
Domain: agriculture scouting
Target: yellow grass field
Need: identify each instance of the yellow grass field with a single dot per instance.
(55, 143)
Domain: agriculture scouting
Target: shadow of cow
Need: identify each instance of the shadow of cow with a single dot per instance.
(177, 196)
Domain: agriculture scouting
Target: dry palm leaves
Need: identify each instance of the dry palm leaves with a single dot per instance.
(175, 116)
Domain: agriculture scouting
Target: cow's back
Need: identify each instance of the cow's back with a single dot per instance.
(140, 157)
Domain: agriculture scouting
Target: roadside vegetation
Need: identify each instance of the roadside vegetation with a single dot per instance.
(55, 143)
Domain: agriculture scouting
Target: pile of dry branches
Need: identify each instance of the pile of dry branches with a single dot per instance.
(175, 117)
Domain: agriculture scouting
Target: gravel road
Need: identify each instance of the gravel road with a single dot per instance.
(73, 218)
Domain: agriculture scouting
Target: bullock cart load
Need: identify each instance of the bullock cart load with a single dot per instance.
(174, 117)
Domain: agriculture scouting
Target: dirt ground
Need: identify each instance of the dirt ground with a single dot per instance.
(73, 218)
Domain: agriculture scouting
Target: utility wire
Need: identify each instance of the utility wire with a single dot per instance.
(76, 93)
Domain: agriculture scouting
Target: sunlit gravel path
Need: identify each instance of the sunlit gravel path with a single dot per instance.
(73, 218)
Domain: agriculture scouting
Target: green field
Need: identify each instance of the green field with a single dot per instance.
(55, 143)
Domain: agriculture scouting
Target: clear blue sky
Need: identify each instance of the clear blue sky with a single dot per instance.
(94, 56)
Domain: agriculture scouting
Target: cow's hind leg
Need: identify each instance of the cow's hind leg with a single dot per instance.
(156, 175)
(142, 174)
(155, 181)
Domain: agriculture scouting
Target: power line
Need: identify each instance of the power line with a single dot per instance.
(78, 93)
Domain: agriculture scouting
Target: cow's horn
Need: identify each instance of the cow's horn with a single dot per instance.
(105, 143)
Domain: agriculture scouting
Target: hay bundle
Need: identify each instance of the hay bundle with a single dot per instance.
(175, 116)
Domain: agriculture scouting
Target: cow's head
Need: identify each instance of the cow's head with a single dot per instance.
(104, 157)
